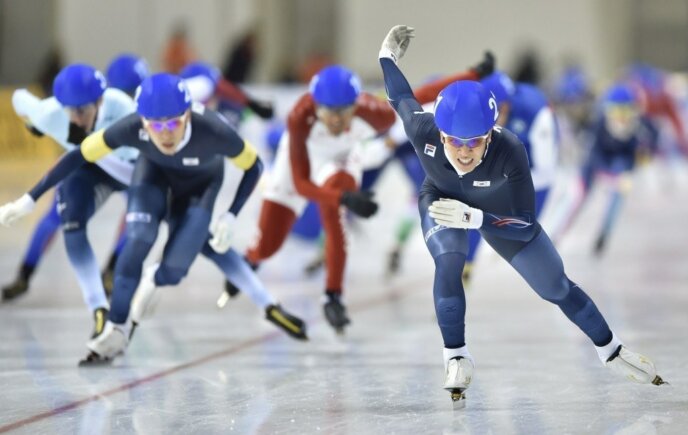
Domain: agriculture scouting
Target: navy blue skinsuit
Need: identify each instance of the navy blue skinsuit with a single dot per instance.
(180, 188)
(502, 187)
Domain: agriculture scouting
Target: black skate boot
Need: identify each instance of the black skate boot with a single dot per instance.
(291, 324)
(335, 312)
(100, 317)
(20, 285)
(108, 276)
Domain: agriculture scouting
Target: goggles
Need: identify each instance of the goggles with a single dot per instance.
(621, 111)
(169, 124)
(470, 142)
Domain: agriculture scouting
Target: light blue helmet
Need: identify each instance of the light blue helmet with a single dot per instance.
(78, 84)
(465, 109)
(126, 72)
(162, 95)
(335, 86)
(500, 85)
(196, 69)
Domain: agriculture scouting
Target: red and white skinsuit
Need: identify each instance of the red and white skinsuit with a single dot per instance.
(312, 164)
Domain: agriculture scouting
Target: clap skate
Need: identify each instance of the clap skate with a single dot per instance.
(289, 323)
(634, 366)
(335, 312)
(110, 343)
(458, 377)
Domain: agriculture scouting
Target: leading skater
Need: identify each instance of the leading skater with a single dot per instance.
(478, 177)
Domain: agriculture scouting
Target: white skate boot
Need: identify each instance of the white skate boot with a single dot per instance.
(110, 343)
(634, 366)
(146, 296)
(458, 374)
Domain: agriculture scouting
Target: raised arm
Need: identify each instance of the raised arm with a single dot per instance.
(399, 92)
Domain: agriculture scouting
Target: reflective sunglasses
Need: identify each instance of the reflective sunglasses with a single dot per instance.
(169, 124)
(471, 142)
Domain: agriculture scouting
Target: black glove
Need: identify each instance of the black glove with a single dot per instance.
(34, 131)
(360, 203)
(486, 66)
(261, 108)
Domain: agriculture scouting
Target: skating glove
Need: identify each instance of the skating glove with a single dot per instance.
(261, 108)
(396, 42)
(360, 203)
(222, 230)
(455, 214)
(14, 210)
(486, 66)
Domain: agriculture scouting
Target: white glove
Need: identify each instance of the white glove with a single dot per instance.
(222, 230)
(396, 42)
(14, 210)
(455, 214)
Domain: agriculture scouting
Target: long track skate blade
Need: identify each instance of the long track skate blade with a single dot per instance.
(458, 398)
(94, 360)
(659, 381)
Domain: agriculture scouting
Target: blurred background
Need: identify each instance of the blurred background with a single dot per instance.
(270, 42)
(280, 36)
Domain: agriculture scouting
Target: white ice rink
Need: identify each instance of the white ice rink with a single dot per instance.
(193, 368)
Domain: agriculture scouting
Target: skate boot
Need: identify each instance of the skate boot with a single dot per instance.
(335, 312)
(394, 262)
(291, 324)
(20, 285)
(634, 366)
(457, 379)
(144, 301)
(231, 291)
(100, 317)
(110, 343)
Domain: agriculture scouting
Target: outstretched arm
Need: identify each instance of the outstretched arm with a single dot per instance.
(399, 92)
(92, 149)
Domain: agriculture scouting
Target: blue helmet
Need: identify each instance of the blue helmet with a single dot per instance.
(126, 72)
(500, 85)
(335, 86)
(78, 84)
(162, 95)
(621, 94)
(196, 69)
(572, 86)
(465, 109)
